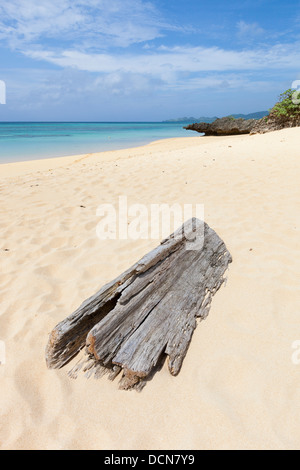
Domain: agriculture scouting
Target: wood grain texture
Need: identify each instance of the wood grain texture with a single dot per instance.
(147, 313)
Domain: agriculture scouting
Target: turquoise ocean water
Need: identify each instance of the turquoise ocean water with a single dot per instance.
(29, 141)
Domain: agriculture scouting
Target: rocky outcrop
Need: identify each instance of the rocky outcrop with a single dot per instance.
(224, 126)
(274, 123)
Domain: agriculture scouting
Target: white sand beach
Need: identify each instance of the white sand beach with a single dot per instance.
(238, 387)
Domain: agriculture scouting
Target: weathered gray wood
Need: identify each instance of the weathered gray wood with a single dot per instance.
(69, 336)
(147, 312)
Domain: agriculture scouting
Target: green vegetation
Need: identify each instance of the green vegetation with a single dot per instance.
(287, 106)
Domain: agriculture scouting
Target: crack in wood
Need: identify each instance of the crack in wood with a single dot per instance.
(147, 313)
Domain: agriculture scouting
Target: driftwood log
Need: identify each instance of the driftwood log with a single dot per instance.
(146, 313)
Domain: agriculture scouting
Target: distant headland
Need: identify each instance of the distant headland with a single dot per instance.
(285, 113)
(257, 115)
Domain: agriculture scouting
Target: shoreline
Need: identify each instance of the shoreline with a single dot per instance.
(18, 168)
(57, 140)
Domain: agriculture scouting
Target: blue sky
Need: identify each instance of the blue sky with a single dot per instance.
(136, 60)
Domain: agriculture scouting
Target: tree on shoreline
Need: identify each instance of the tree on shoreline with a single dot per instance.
(288, 106)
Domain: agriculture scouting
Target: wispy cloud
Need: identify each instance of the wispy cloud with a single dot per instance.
(249, 31)
(94, 23)
(88, 36)
(168, 60)
(100, 95)
(104, 51)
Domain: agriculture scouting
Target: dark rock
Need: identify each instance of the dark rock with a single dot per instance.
(274, 123)
(224, 126)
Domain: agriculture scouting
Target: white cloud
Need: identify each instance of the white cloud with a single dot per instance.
(77, 34)
(96, 23)
(35, 88)
(170, 61)
(83, 39)
(248, 31)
